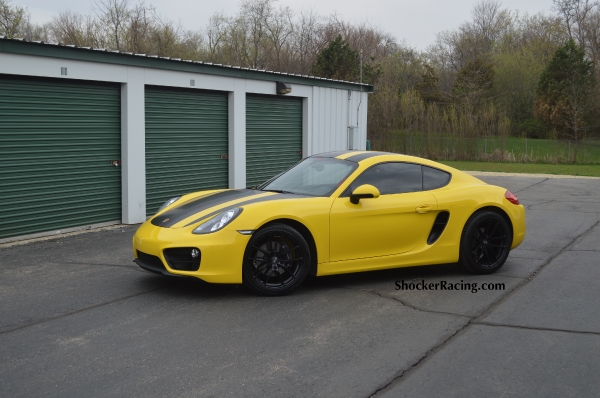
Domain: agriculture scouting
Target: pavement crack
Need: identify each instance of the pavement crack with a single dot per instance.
(385, 296)
(533, 185)
(474, 320)
(52, 318)
(529, 207)
(396, 378)
(535, 328)
(493, 305)
(510, 276)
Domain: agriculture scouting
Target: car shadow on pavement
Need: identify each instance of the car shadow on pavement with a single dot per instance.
(186, 287)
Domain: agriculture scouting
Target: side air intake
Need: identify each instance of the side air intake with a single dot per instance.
(438, 227)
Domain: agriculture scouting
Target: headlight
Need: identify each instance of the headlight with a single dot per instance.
(168, 203)
(217, 222)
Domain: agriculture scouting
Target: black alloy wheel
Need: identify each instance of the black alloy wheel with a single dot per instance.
(485, 243)
(276, 260)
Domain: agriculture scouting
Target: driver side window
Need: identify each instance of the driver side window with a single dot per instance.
(391, 178)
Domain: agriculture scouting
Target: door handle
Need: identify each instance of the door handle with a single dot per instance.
(424, 209)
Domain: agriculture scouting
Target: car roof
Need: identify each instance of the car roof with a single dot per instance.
(373, 156)
(370, 158)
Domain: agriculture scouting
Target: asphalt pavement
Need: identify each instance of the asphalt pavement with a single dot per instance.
(78, 318)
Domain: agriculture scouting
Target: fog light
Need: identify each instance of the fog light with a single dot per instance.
(195, 253)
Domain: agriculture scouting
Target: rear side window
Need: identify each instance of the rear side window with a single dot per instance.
(434, 178)
(390, 178)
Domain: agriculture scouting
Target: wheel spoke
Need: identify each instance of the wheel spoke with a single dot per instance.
(495, 228)
(265, 282)
(280, 278)
(286, 252)
(261, 250)
(263, 259)
(480, 256)
(286, 269)
(293, 259)
(490, 261)
(261, 269)
(271, 244)
(495, 252)
(498, 237)
(474, 250)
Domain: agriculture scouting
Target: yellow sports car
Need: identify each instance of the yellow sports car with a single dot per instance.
(334, 213)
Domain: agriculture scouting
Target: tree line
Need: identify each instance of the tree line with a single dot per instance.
(260, 35)
(500, 73)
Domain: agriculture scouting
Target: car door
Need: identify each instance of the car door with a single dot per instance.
(394, 223)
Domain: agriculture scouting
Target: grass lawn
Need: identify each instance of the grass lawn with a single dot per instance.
(533, 168)
(588, 152)
(538, 150)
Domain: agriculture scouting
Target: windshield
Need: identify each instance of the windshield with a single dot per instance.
(313, 176)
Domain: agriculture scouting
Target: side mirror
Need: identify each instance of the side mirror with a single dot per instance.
(365, 191)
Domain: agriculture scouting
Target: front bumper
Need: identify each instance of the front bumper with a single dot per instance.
(152, 264)
(222, 252)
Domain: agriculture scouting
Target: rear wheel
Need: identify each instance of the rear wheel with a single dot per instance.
(276, 260)
(485, 243)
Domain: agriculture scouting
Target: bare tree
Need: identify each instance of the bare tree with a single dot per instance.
(592, 35)
(114, 14)
(490, 22)
(139, 26)
(216, 33)
(72, 28)
(254, 15)
(279, 27)
(575, 14)
(13, 20)
(304, 45)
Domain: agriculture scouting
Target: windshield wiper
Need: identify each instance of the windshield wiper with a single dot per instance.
(278, 191)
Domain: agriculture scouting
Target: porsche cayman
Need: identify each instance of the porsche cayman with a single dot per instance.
(333, 213)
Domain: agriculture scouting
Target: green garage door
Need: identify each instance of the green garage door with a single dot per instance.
(186, 140)
(57, 141)
(273, 136)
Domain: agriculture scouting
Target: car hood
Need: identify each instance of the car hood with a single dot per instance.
(205, 205)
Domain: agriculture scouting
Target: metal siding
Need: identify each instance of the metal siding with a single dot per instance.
(342, 99)
(322, 120)
(186, 134)
(363, 121)
(273, 136)
(56, 143)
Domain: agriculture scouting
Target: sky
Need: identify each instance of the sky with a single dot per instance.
(415, 22)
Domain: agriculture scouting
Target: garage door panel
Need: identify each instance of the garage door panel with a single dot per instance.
(273, 136)
(186, 134)
(56, 143)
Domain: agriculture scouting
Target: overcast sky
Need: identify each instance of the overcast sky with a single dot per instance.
(414, 21)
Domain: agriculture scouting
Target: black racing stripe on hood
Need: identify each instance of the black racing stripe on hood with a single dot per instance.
(173, 216)
(362, 156)
(279, 196)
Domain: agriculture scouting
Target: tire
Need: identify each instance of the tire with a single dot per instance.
(276, 260)
(485, 243)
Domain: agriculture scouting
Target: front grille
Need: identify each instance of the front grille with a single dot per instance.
(181, 259)
(151, 260)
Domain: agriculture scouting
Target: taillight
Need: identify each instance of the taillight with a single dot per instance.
(511, 198)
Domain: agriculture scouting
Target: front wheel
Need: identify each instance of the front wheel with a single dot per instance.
(485, 243)
(276, 260)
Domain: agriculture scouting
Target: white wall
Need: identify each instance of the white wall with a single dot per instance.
(328, 112)
(333, 111)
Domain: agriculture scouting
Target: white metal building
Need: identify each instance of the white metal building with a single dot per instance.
(91, 137)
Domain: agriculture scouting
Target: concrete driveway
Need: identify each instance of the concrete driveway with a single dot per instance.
(78, 318)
